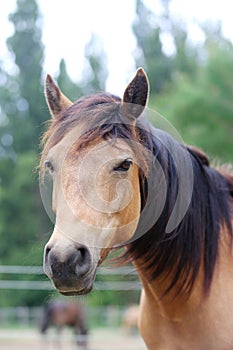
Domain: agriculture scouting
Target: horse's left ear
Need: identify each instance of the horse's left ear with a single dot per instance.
(136, 95)
(56, 100)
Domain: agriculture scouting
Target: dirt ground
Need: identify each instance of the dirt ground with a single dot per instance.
(99, 339)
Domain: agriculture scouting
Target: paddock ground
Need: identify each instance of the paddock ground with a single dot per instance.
(99, 339)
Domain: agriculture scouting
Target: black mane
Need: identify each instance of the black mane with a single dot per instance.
(180, 253)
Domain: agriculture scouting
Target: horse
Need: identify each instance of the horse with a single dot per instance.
(130, 319)
(120, 182)
(60, 314)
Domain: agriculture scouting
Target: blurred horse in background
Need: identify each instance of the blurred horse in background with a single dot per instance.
(130, 319)
(60, 314)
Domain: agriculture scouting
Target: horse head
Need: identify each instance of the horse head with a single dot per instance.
(93, 157)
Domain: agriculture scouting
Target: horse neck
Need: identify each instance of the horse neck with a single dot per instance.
(176, 305)
(170, 306)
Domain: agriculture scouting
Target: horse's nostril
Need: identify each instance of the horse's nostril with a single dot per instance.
(83, 253)
(47, 250)
(47, 265)
(83, 261)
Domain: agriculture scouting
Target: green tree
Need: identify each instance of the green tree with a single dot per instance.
(192, 86)
(149, 53)
(95, 74)
(149, 30)
(202, 107)
(71, 89)
(187, 57)
(27, 49)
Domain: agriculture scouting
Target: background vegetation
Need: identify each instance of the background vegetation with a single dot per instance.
(192, 87)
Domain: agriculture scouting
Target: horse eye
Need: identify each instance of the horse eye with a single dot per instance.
(124, 166)
(49, 166)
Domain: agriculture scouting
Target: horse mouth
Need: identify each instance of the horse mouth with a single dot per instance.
(76, 292)
(75, 287)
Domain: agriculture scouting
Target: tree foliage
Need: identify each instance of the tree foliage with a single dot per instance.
(201, 107)
(27, 49)
(192, 85)
(71, 89)
(150, 31)
(96, 72)
(149, 53)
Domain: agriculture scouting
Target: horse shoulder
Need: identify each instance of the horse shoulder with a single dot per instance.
(196, 323)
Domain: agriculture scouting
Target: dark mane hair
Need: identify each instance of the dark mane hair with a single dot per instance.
(178, 254)
(195, 241)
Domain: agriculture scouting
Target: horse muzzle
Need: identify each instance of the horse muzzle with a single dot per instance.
(70, 267)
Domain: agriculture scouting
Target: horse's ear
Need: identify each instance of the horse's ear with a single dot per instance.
(57, 102)
(136, 95)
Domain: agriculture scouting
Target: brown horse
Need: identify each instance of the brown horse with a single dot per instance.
(60, 314)
(119, 181)
(130, 319)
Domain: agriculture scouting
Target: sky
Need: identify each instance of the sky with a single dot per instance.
(69, 24)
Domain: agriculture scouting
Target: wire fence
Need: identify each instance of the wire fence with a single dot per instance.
(19, 325)
(120, 274)
(20, 330)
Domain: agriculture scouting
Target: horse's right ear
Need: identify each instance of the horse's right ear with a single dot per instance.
(57, 102)
(136, 95)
